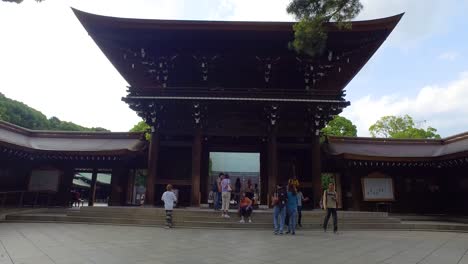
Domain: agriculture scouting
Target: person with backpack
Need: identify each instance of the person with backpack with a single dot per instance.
(279, 200)
(330, 204)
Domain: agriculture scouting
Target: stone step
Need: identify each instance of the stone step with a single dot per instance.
(216, 222)
(134, 210)
(232, 225)
(207, 218)
(153, 212)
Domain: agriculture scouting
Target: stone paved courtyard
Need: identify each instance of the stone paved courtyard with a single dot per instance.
(80, 243)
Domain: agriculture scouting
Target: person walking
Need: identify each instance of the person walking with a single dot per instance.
(279, 199)
(330, 204)
(245, 208)
(225, 195)
(292, 209)
(169, 199)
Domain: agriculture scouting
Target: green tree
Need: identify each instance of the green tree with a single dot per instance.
(340, 126)
(327, 178)
(142, 127)
(401, 127)
(309, 33)
(20, 114)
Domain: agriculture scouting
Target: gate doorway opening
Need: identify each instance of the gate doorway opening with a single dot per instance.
(243, 169)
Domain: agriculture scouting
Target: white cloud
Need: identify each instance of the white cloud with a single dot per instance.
(254, 10)
(421, 20)
(449, 55)
(443, 107)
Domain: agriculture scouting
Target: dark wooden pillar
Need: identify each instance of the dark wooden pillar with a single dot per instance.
(316, 170)
(196, 166)
(205, 185)
(356, 193)
(152, 166)
(116, 186)
(65, 187)
(92, 192)
(272, 152)
(129, 189)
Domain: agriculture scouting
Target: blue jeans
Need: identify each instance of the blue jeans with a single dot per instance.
(217, 201)
(281, 213)
(292, 212)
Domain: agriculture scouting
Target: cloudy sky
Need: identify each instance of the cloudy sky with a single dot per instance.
(48, 61)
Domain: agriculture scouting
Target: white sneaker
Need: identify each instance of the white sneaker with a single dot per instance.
(242, 221)
(223, 215)
(250, 220)
(227, 216)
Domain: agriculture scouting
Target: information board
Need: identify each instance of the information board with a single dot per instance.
(44, 180)
(378, 189)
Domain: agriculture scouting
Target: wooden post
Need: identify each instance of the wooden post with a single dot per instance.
(129, 188)
(356, 190)
(316, 170)
(92, 194)
(65, 186)
(196, 166)
(272, 163)
(152, 166)
(118, 174)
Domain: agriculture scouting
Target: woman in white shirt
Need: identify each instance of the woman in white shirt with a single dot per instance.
(169, 199)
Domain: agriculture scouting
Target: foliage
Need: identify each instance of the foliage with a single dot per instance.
(327, 178)
(340, 126)
(309, 33)
(142, 127)
(22, 115)
(401, 127)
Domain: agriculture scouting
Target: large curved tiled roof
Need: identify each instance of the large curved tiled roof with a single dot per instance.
(18, 137)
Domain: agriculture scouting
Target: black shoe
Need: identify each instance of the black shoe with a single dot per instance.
(293, 233)
(300, 225)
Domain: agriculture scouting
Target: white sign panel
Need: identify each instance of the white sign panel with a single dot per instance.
(378, 189)
(44, 180)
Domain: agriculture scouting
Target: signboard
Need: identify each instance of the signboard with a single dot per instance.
(378, 189)
(44, 180)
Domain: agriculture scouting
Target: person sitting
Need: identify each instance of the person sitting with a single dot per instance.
(76, 198)
(245, 208)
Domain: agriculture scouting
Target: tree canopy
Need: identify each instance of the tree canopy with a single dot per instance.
(142, 127)
(401, 127)
(340, 126)
(20, 114)
(309, 34)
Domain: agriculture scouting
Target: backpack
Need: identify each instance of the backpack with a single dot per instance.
(282, 198)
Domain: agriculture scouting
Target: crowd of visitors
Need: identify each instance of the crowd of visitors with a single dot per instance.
(286, 202)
